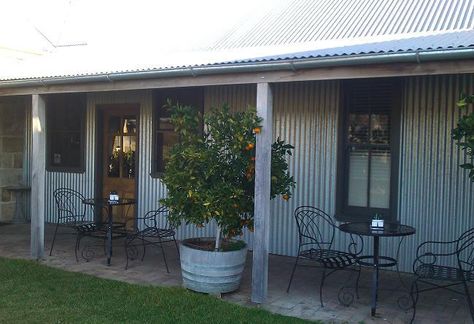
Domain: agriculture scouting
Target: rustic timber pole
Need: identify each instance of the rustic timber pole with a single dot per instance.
(262, 194)
(38, 175)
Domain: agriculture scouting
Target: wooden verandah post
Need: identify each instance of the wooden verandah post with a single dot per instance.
(262, 194)
(38, 174)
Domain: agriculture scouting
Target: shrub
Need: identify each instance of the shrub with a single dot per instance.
(210, 174)
(463, 134)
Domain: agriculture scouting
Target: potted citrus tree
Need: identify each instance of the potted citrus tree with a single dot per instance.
(210, 177)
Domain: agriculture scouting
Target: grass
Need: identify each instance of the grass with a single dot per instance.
(33, 293)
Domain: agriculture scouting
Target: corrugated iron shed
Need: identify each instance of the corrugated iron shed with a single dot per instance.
(296, 30)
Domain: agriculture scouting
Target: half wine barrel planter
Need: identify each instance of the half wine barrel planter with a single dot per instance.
(209, 271)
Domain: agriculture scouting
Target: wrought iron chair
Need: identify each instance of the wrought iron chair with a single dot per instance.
(316, 237)
(444, 265)
(71, 211)
(148, 232)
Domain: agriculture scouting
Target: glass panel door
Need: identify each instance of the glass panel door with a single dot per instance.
(122, 146)
(120, 132)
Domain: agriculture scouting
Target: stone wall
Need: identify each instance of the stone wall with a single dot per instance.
(12, 138)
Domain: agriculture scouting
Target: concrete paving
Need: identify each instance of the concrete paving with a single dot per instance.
(302, 301)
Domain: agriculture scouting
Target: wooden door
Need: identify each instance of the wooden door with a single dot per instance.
(120, 149)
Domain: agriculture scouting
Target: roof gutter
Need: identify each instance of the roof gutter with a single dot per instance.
(261, 66)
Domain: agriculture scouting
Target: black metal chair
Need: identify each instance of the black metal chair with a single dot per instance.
(71, 212)
(148, 232)
(316, 237)
(444, 265)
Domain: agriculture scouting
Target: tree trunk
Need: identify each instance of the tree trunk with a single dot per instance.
(218, 239)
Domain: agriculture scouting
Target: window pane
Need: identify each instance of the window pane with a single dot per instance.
(113, 168)
(129, 149)
(164, 119)
(114, 125)
(165, 141)
(165, 123)
(358, 128)
(370, 108)
(380, 179)
(169, 140)
(64, 112)
(129, 125)
(358, 178)
(380, 129)
(163, 129)
(65, 149)
(65, 126)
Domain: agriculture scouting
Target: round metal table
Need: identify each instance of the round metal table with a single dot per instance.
(105, 202)
(375, 260)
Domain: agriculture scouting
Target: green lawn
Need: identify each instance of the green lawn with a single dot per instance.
(33, 293)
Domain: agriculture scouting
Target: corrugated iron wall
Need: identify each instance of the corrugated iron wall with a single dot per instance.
(435, 195)
(151, 189)
(238, 97)
(305, 115)
(81, 182)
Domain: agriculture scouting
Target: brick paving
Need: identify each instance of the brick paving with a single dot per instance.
(302, 301)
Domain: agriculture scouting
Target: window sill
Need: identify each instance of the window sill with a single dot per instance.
(350, 216)
(65, 170)
(157, 175)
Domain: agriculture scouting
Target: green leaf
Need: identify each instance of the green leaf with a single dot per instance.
(210, 175)
(461, 103)
(463, 134)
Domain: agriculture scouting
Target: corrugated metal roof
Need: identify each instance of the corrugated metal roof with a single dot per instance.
(303, 21)
(295, 29)
(453, 40)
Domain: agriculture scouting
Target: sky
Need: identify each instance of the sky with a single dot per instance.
(177, 24)
(47, 38)
(44, 37)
